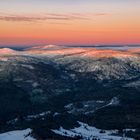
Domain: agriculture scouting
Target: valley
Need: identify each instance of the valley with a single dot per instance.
(46, 88)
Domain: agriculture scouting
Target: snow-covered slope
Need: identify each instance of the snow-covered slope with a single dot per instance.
(7, 51)
(17, 135)
(84, 131)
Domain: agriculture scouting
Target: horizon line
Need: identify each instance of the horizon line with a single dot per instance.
(34, 44)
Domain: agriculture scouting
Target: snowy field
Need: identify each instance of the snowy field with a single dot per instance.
(17, 135)
(87, 132)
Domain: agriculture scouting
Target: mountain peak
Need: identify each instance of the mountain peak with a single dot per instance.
(6, 51)
(46, 47)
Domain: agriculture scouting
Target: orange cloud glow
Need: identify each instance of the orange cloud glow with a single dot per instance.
(90, 22)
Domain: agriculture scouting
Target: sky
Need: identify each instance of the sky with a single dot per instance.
(69, 22)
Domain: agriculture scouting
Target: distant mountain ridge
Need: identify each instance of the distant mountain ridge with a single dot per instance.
(82, 51)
